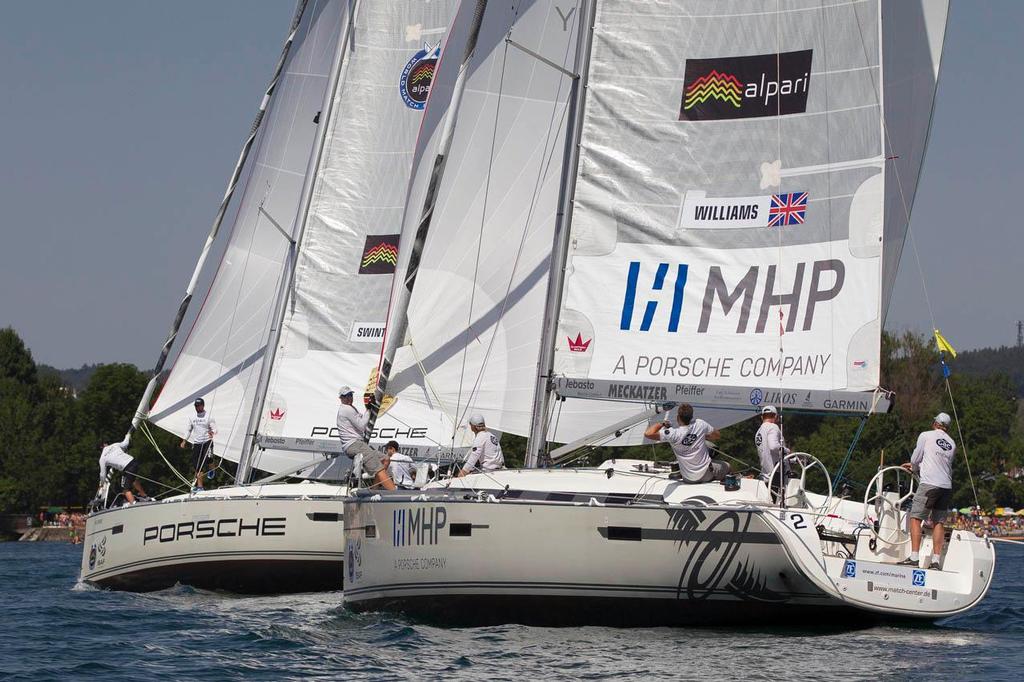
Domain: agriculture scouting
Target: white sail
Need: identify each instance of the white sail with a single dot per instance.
(335, 315)
(734, 178)
(220, 358)
(476, 310)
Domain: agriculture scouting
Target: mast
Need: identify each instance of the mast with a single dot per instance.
(288, 276)
(556, 275)
(142, 411)
(395, 335)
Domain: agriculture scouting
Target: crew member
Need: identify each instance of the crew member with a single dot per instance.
(114, 457)
(199, 431)
(351, 425)
(933, 462)
(771, 446)
(399, 466)
(688, 442)
(486, 452)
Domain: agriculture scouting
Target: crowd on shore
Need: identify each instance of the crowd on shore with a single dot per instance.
(62, 519)
(990, 524)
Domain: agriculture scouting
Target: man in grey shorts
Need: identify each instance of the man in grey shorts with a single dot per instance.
(933, 462)
(688, 441)
(351, 424)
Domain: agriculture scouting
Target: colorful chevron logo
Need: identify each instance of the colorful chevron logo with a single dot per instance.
(714, 85)
(380, 255)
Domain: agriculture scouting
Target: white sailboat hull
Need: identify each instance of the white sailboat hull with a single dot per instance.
(249, 540)
(652, 552)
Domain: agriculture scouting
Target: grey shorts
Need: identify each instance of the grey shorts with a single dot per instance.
(373, 461)
(716, 471)
(931, 502)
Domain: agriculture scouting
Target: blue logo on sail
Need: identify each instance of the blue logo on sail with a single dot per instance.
(417, 76)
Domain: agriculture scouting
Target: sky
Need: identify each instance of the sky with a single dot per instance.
(122, 119)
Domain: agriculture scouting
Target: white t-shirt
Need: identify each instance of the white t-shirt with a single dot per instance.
(114, 457)
(351, 423)
(933, 458)
(690, 447)
(401, 469)
(486, 453)
(771, 447)
(199, 428)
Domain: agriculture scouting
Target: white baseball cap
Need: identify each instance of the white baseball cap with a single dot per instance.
(769, 409)
(477, 419)
(942, 418)
(344, 390)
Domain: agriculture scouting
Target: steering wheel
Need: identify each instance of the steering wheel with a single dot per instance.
(807, 462)
(885, 505)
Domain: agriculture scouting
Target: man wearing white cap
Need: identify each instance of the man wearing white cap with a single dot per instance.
(771, 446)
(933, 462)
(351, 424)
(486, 453)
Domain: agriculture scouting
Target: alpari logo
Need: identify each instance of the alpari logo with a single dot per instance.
(715, 85)
(746, 87)
(724, 298)
(277, 414)
(578, 345)
(418, 76)
(380, 255)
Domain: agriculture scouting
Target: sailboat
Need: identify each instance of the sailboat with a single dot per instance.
(294, 311)
(634, 205)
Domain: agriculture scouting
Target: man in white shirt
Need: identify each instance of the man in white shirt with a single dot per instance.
(114, 458)
(485, 454)
(199, 431)
(771, 446)
(689, 443)
(351, 425)
(933, 462)
(399, 466)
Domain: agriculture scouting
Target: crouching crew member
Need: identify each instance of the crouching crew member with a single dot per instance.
(933, 462)
(486, 452)
(351, 426)
(115, 458)
(689, 443)
(399, 466)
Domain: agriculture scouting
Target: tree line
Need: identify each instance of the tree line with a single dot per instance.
(51, 435)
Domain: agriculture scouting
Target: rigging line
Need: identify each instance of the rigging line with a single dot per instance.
(480, 238)
(543, 167)
(917, 259)
(144, 427)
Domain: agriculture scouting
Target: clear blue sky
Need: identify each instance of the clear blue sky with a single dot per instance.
(122, 120)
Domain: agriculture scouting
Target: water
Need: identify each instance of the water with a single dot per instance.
(52, 628)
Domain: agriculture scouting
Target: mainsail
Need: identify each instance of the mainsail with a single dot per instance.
(221, 356)
(337, 307)
(741, 175)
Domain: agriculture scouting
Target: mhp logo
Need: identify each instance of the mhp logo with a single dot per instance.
(850, 569)
(918, 578)
(728, 297)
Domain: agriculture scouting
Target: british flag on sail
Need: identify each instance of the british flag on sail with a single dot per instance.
(787, 209)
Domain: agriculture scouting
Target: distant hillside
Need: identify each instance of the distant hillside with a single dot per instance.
(1007, 360)
(77, 379)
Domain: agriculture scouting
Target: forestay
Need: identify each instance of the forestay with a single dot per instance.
(335, 313)
(737, 190)
(221, 355)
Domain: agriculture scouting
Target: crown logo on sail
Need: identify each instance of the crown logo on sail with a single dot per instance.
(578, 345)
(714, 85)
(277, 415)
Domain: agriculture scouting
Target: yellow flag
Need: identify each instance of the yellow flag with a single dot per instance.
(943, 345)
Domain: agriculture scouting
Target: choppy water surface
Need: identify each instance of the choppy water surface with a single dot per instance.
(51, 628)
